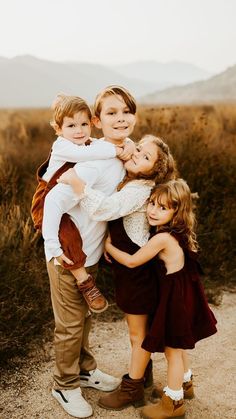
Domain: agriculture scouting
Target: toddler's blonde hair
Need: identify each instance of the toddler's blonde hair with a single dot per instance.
(65, 105)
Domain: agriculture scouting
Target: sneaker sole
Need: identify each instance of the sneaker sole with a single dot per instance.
(65, 407)
(101, 310)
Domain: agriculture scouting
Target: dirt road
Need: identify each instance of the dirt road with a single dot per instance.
(26, 393)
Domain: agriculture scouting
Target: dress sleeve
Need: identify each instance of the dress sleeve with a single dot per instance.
(65, 150)
(126, 201)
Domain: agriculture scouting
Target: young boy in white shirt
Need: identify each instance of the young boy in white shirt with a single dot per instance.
(72, 122)
(75, 366)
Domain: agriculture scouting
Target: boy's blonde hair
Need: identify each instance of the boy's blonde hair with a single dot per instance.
(116, 91)
(177, 195)
(65, 105)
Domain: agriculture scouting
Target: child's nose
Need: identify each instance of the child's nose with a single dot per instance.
(120, 116)
(137, 153)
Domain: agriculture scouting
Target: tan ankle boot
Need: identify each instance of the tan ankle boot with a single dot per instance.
(130, 392)
(166, 408)
(97, 303)
(188, 388)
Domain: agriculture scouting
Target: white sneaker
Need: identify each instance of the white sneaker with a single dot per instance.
(99, 380)
(73, 402)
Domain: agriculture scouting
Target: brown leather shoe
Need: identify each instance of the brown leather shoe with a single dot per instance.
(166, 408)
(130, 392)
(96, 301)
(148, 375)
(188, 388)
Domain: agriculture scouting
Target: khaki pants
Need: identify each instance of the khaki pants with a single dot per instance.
(72, 326)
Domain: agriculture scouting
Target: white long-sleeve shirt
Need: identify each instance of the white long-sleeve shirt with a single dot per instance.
(103, 175)
(64, 151)
(130, 203)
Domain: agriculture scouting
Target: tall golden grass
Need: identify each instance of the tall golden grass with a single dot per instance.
(202, 139)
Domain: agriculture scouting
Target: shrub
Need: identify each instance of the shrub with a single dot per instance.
(202, 140)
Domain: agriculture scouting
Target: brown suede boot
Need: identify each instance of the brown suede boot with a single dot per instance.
(130, 392)
(148, 375)
(96, 301)
(157, 392)
(166, 408)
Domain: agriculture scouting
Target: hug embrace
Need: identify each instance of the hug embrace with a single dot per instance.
(131, 194)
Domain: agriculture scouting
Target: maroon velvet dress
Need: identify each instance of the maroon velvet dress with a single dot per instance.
(182, 316)
(135, 288)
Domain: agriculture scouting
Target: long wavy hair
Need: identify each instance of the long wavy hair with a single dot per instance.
(164, 168)
(177, 195)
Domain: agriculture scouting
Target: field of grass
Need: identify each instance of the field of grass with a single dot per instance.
(203, 141)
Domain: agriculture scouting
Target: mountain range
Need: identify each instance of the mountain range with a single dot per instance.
(27, 81)
(219, 88)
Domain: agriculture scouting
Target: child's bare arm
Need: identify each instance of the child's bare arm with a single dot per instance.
(143, 255)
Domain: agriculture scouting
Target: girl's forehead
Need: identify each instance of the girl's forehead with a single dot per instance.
(159, 198)
(149, 147)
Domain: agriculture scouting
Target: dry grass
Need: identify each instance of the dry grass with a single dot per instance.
(202, 140)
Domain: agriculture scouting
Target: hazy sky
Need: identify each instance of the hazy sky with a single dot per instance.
(202, 32)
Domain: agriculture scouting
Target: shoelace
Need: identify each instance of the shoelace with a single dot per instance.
(93, 293)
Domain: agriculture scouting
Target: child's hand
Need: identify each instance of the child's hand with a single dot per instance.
(68, 177)
(128, 150)
(119, 151)
(107, 257)
(106, 254)
(63, 258)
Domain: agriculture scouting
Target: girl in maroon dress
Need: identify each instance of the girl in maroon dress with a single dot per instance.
(182, 315)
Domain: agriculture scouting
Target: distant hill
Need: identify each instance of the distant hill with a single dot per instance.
(27, 81)
(219, 88)
(170, 73)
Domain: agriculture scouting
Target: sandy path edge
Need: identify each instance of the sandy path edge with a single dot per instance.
(26, 393)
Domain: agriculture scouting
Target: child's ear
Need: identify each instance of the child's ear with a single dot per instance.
(96, 122)
(56, 127)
